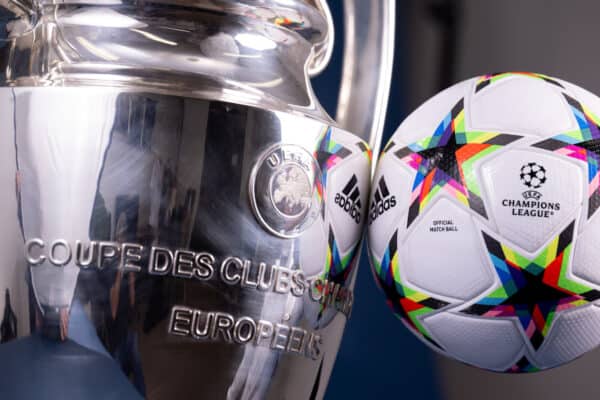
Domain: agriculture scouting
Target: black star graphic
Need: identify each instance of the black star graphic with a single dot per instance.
(444, 158)
(534, 296)
(442, 161)
(532, 291)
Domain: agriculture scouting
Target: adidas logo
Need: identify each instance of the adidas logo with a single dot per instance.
(382, 201)
(349, 199)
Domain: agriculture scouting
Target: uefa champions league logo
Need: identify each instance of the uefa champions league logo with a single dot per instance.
(533, 176)
(284, 191)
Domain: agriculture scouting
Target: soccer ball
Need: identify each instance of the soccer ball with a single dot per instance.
(330, 249)
(484, 222)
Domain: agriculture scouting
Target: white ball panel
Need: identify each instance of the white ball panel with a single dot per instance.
(313, 249)
(563, 186)
(586, 257)
(573, 334)
(425, 119)
(444, 253)
(495, 344)
(520, 105)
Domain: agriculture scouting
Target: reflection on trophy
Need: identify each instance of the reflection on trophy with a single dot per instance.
(180, 218)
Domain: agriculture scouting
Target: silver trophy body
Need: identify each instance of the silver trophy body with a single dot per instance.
(179, 217)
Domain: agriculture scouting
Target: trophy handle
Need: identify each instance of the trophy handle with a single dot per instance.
(367, 71)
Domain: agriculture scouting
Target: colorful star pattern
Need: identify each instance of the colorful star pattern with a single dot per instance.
(445, 161)
(337, 268)
(581, 144)
(328, 155)
(524, 365)
(533, 290)
(387, 148)
(366, 151)
(488, 79)
(407, 304)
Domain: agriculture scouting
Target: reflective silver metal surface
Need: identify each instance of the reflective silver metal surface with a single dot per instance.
(367, 70)
(179, 217)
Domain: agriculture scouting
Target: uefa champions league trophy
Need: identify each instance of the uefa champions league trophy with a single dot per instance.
(180, 218)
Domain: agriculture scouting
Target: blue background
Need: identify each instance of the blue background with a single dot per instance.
(378, 357)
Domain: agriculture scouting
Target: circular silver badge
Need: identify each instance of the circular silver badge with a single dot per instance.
(284, 190)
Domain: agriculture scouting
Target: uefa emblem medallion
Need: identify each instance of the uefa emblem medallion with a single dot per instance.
(284, 190)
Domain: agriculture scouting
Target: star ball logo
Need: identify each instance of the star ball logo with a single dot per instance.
(533, 176)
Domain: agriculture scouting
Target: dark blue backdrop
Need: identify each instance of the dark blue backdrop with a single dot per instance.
(379, 358)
